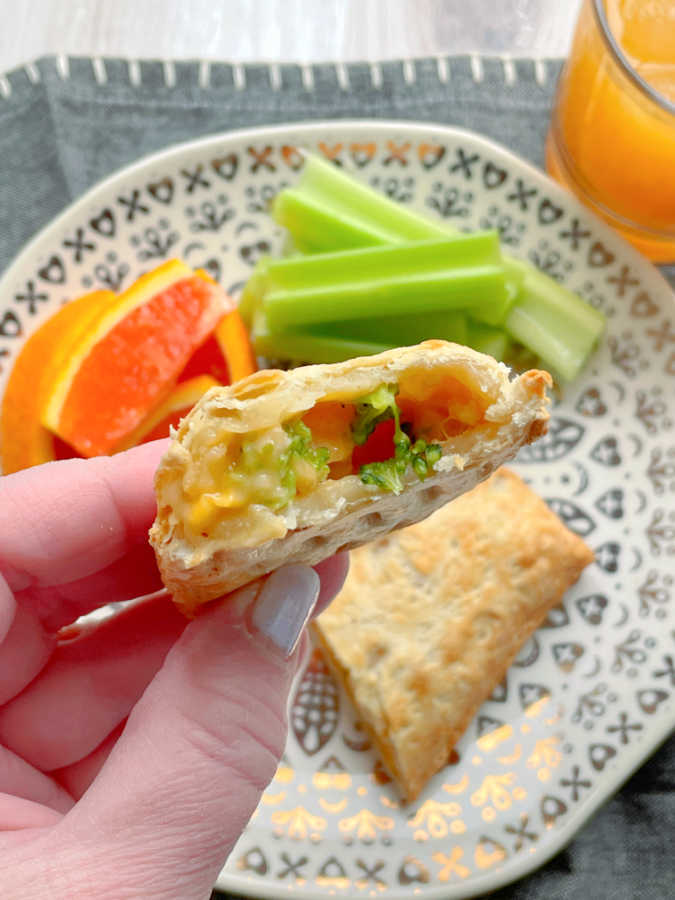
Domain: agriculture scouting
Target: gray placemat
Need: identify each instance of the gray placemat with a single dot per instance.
(67, 122)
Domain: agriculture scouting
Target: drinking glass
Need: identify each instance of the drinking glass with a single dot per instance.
(612, 133)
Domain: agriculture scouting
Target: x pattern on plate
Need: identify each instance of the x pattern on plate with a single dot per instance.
(586, 687)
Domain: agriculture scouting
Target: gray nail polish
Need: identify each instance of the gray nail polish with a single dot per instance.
(285, 604)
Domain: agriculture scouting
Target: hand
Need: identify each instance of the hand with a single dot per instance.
(132, 751)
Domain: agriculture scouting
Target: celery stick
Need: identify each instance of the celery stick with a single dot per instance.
(410, 258)
(329, 187)
(492, 312)
(309, 348)
(385, 296)
(316, 227)
(404, 279)
(400, 331)
(555, 324)
(251, 296)
(369, 212)
(557, 299)
(495, 313)
(485, 339)
(555, 346)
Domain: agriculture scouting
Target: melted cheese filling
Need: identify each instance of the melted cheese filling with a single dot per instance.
(254, 487)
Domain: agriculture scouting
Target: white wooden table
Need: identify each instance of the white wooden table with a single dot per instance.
(283, 30)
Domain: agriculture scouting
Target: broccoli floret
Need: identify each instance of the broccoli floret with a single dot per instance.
(373, 409)
(388, 475)
(384, 474)
(423, 456)
(301, 446)
(261, 458)
(378, 407)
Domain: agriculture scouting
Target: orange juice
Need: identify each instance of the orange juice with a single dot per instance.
(612, 135)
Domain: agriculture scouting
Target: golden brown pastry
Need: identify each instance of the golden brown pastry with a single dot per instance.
(431, 617)
(292, 466)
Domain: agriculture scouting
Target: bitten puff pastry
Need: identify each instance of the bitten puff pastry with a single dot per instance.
(292, 466)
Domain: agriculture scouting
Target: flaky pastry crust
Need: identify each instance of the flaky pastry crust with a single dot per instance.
(345, 513)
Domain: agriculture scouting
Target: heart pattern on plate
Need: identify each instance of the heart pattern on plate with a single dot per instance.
(593, 683)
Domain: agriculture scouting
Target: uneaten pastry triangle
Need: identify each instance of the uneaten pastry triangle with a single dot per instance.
(430, 618)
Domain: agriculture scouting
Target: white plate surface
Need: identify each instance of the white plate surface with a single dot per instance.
(592, 693)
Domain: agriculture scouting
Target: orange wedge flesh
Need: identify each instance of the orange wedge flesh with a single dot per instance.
(235, 344)
(227, 355)
(140, 292)
(177, 405)
(207, 360)
(139, 351)
(162, 429)
(24, 441)
(63, 450)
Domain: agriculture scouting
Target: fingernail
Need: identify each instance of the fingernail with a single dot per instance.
(285, 604)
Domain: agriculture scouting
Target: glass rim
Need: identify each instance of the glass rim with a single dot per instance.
(622, 59)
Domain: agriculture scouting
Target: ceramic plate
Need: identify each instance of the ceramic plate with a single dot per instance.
(593, 692)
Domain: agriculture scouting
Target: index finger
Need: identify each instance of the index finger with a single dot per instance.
(66, 520)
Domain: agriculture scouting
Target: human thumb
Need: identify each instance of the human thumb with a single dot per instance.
(199, 747)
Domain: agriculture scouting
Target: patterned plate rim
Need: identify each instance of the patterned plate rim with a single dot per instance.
(659, 729)
(518, 868)
(309, 127)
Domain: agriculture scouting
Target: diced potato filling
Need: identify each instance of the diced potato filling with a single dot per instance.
(439, 407)
(273, 466)
(331, 427)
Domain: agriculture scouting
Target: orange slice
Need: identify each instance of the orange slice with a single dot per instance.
(63, 450)
(140, 291)
(24, 441)
(207, 360)
(235, 344)
(227, 355)
(128, 361)
(177, 405)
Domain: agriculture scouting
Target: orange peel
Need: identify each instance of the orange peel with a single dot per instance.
(125, 365)
(24, 441)
(169, 413)
(235, 344)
